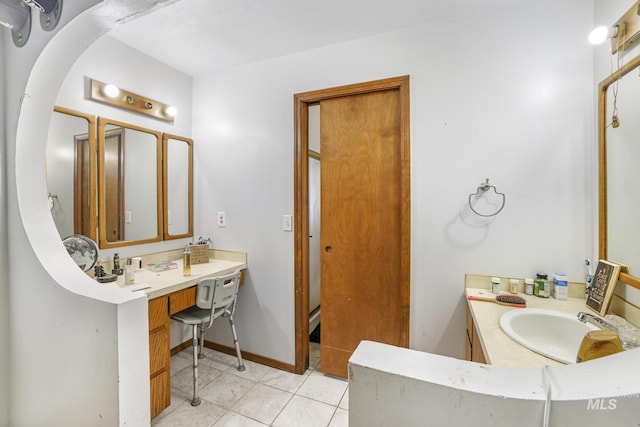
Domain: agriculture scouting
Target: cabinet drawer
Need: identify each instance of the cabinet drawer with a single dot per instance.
(180, 300)
(158, 312)
(159, 353)
(160, 393)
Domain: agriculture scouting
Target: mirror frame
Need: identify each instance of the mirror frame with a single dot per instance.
(627, 278)
(165, 185)
(102, 229)
(91, 135)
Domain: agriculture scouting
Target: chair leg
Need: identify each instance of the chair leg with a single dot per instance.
(196, 399)
(201, 347)
(235, 342)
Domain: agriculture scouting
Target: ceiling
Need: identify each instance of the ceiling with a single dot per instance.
(200, 36)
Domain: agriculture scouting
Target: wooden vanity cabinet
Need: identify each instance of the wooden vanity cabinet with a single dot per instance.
(160, 346)
(474, 351)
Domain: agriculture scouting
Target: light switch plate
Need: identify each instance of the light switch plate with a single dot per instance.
(222, 219)
(287, 223)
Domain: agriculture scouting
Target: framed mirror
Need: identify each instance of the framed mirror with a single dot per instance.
(177, 186)
(129, 184)
(71, 172)
(619, 178)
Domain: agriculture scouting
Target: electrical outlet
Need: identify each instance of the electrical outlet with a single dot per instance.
(127, 217)
(222, 219)
(169, 217)
(287, 223)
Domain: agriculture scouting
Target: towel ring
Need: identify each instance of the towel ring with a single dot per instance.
(485, 187)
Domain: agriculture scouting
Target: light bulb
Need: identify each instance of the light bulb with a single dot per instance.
(171, 111)
(111, 91)
(600, 34)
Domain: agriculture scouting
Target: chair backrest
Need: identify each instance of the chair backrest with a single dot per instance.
(218, 294)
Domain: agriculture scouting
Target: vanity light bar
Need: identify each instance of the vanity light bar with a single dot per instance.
(629, 25)
(99, 91)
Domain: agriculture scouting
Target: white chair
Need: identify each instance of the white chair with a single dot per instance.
(215, 297)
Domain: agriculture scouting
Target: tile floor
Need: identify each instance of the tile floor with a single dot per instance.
(259, 396)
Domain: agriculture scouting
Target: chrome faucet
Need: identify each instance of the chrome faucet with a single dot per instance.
(595, 320)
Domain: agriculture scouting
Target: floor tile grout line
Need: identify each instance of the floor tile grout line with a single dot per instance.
(281, 410)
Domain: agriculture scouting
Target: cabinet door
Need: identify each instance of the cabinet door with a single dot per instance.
(468, 335)
(477, 355)
(159, 355)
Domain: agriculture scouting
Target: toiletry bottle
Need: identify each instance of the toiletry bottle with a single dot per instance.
(514, 286)
(528, 286)
(495, 285)
(538, 284)
(547, 287)
(129, 273)
(186, 262)
(116, 265)
(541, 286)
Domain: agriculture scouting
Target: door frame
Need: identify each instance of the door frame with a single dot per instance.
(301, 198)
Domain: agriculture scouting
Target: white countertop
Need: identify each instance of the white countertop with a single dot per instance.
(499, 348)
(166, 282)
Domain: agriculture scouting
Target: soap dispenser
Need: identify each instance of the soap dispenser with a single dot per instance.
(186, 261)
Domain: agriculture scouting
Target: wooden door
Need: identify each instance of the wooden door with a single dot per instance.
(83, 196)
(114, 184)
(364, 292)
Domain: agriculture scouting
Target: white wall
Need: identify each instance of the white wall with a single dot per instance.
(504, 94)
(4, 275)
(78, 352)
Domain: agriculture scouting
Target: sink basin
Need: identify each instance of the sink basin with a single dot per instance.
(553, 334)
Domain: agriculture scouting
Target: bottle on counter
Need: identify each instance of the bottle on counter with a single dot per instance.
(495, 285)
(129, 273)
(541, 286)
(528, 286)
(116, 265)
(186, 261)
(514, 286)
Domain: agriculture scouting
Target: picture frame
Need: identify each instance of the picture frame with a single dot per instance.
(603, 285)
